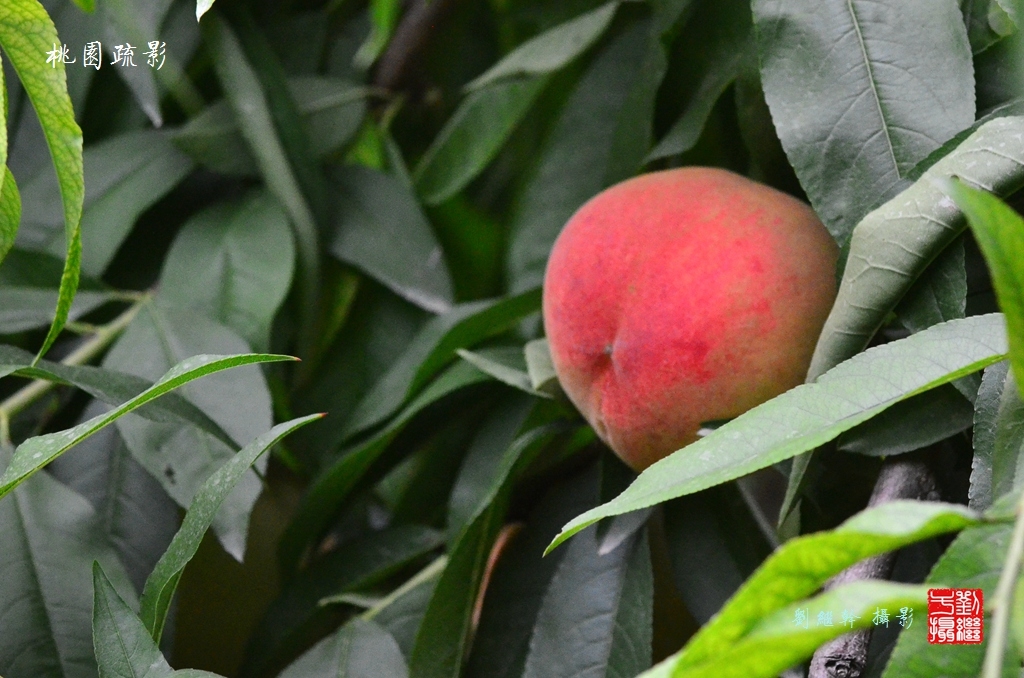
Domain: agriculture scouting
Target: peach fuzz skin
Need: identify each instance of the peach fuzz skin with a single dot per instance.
(681, 297)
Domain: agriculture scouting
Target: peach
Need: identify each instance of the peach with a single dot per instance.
(681, 297)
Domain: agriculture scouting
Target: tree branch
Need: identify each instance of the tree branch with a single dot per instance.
(411, 37)
(902, 477)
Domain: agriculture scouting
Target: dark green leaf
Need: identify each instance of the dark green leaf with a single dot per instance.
(123, 183)
(860, 92)
(506, 364)
(634, 620)
(360, 649)
(10, 211)
(723, 30)
(987, 23)
(36, 452)
(812, 414)
(579, 157)
(552, 49)
(893, 245)
(991, 395)
(940, 293)
(162, 583)
(435, 346)
(382, 231)
(233, 262)
(51, 539)
(1000, 234)
(298, 613)
(124, 648)
(27, 34)
(912, 424)
(29, 308)
(473, 136)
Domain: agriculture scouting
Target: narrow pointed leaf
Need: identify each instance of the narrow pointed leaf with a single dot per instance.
(27, 34)
(812, 414)
(36, 452)
(162, 583)
(360, 649)
(10, 211)
(124, 648)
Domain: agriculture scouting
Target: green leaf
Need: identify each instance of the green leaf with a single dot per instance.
(473, 136)
(940, 293)
(506, 364)
(10, 210)
(334, 486)
(137, 517)
(777, 643)
(382, 231)
(714, 544)
(895, 243)
(575, 627)
(29, 308)
(123, 184)
(163, 582)
(552, 49)
(720, 33)
(384, 16)
(802, 565)
(36, 452)
(1003, 442)
(332, 109)
(1000, 234)
(233, 262)
(445, 631)
(987, 23)
(540, 367)
(51, 539)
(630, 651)
(247, 99)
(986, 418)
(123, 645)
(182, 457)
(973, 560)
(26, 34)
(812, 414)
(433, 348)
(860, 92)
(912, 424)
(582, 153)
(357, 564)
(360, 649)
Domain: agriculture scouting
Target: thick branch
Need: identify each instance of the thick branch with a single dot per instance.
(902, 477)
(410, 38)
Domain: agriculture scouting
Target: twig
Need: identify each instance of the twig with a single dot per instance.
(411, 36)
(95, 345)
(902, 477)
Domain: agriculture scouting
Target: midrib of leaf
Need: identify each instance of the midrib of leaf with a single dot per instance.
(874, 89)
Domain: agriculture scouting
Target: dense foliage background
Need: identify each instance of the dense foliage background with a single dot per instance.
(374, 187)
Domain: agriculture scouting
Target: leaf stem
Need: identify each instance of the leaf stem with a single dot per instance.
(427, 573)
(993, 666)
(101, 339)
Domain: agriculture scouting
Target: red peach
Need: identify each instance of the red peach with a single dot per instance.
(681, 297)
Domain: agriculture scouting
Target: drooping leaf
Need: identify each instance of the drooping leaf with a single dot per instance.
(434, 346)
(723, 30)
(233, 262)
(552, 49)
(812, 414)
(10, 211)
(1000, 234)
(802, 565)
(893, 245)
(860, 92)
(382, 231)
(122, 643)
(473, 136)
(506, 364)
(36, 452)
(27, 34)
(540, 367)
(582, 155)
(162, 583)
(51, 539)
(123, 183)
(360, 649)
